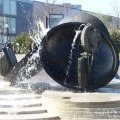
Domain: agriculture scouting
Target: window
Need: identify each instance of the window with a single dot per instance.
(1, 6)
(9, 7)
(54, 19)
(11, 22)
(13, 7)
(12, 25)
(27, 1)
(6, 7)
(6, 25)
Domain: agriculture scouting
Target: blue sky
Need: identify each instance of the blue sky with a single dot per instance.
(108, 7)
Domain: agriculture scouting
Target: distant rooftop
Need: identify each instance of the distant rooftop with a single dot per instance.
(72, 6)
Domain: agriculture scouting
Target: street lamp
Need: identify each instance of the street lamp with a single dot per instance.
(6, 26)
(2, 34)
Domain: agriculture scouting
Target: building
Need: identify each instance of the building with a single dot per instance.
(51, 14)
(15, 17)
(24, 16)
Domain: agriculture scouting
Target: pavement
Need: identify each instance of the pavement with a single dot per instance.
(103, 104)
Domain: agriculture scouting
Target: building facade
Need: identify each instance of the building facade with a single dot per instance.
(24, 16)
(51, 14)
(18, 16)
(14, 18)
(8, 12)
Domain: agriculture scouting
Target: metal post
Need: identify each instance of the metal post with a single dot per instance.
(2, 36)
(6, 26)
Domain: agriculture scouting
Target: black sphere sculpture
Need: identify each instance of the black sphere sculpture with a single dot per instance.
(78, 53)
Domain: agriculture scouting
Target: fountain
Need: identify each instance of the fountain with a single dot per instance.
(78, 54)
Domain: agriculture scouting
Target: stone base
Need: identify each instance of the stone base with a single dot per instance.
(102, 104)
(22, 104)
(4, 65)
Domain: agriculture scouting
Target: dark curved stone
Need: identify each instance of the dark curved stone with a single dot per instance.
(57, 47)
(87, 18)
(4, 65)
(19, 72)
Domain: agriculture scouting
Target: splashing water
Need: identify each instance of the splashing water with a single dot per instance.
(77, 33)
(31, 65)
(34, 59)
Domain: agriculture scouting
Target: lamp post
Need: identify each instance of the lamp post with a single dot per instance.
(6, 26)
(2, 34)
